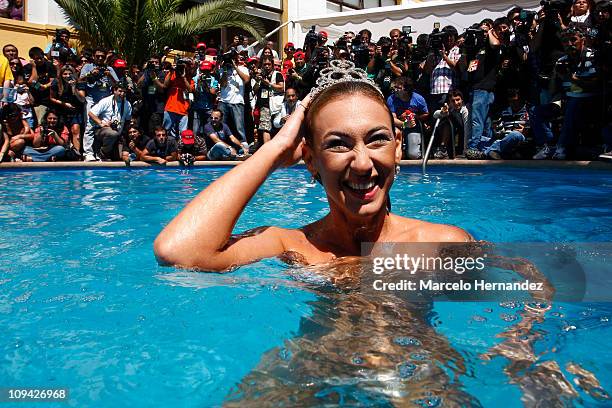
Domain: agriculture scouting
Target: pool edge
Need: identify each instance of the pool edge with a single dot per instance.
(599, 165)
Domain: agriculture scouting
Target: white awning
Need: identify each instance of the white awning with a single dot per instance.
(421, 16)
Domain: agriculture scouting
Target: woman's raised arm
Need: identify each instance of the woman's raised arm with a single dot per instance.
(200, 236)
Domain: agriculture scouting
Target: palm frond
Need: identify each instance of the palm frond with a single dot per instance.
(93, 18)
(216, 14)
(140, 28)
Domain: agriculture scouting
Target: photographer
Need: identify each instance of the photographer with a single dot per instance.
(510, 128)
(50, 140)
(577, 80)
(69, 102)
(441, 65)
(191, 148)
(234, 75)
(479, 65)
(132, 147)
(97, 79)
(177, 85)
(454, 116)
(153, 96)
(108, 118)
(409, 111)
(206, 87)
(385, 66)
(220, 141)
(269, 88)
(40, 74)
(301, 78)
(60, 45)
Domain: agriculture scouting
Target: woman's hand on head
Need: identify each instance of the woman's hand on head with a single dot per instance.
(289, 139)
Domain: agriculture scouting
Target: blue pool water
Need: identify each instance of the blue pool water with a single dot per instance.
(84, 305)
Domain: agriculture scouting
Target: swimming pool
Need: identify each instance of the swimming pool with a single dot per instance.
(84, 305)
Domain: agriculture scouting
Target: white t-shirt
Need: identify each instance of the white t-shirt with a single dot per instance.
(233, 91)
(110, 110)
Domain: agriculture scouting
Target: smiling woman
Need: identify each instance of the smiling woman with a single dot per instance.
(350, 146)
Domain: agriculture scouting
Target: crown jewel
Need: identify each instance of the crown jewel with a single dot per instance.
(340, 71)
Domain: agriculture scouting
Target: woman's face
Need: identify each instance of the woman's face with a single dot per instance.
(355, 153)
(52, 120)
(267, 52)
(15, 65)
(580, 7)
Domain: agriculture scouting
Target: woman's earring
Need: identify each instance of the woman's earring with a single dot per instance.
(397, 171)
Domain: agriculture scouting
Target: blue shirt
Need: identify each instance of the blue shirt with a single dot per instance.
(203, 99)
(416, 104)
(101, 88)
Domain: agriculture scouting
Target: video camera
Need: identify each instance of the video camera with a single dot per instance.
(475, 39)
(361, 53)
(181, 64)
(554, 8)
(312, 38)
(228, 56)
(437, 39)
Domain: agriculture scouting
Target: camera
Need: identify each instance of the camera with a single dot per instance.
(228, 56)
(475, 39)
(385, 45)
(555, 8)
(312, 38)
(187, 159)
(114, 125)
(21, 89)
(437, 39)
(361, 53)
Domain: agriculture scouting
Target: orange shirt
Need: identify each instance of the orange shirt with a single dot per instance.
(177, 95)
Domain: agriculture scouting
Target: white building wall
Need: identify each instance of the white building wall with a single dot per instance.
(45, 12)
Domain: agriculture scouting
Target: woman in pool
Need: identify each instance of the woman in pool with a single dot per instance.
(350, 146)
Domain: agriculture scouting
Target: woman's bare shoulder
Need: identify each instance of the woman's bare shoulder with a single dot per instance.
(413, 230)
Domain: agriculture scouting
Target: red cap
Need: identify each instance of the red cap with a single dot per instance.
(119, 63)
(289, 44)
(299, 54)
(323, 34)
(211, 51)
(287, 64)
(201, 45)
(187, 137)
(206, 66)
(252, 59)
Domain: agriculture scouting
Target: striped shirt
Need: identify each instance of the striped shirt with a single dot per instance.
(443, 76)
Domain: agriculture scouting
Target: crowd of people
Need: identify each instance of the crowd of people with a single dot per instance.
(530, 84)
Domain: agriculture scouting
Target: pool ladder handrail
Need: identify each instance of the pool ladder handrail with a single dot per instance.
(431, 141)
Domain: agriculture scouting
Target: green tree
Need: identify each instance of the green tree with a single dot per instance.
(141, 28)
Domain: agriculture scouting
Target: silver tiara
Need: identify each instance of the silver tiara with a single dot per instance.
(340, 71)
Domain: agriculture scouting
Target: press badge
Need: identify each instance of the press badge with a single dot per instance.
(151, 90)
(473, 66)
(264, 94)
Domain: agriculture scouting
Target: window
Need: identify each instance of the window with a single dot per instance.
(13, 9)
(346, 5)
(271, 4)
